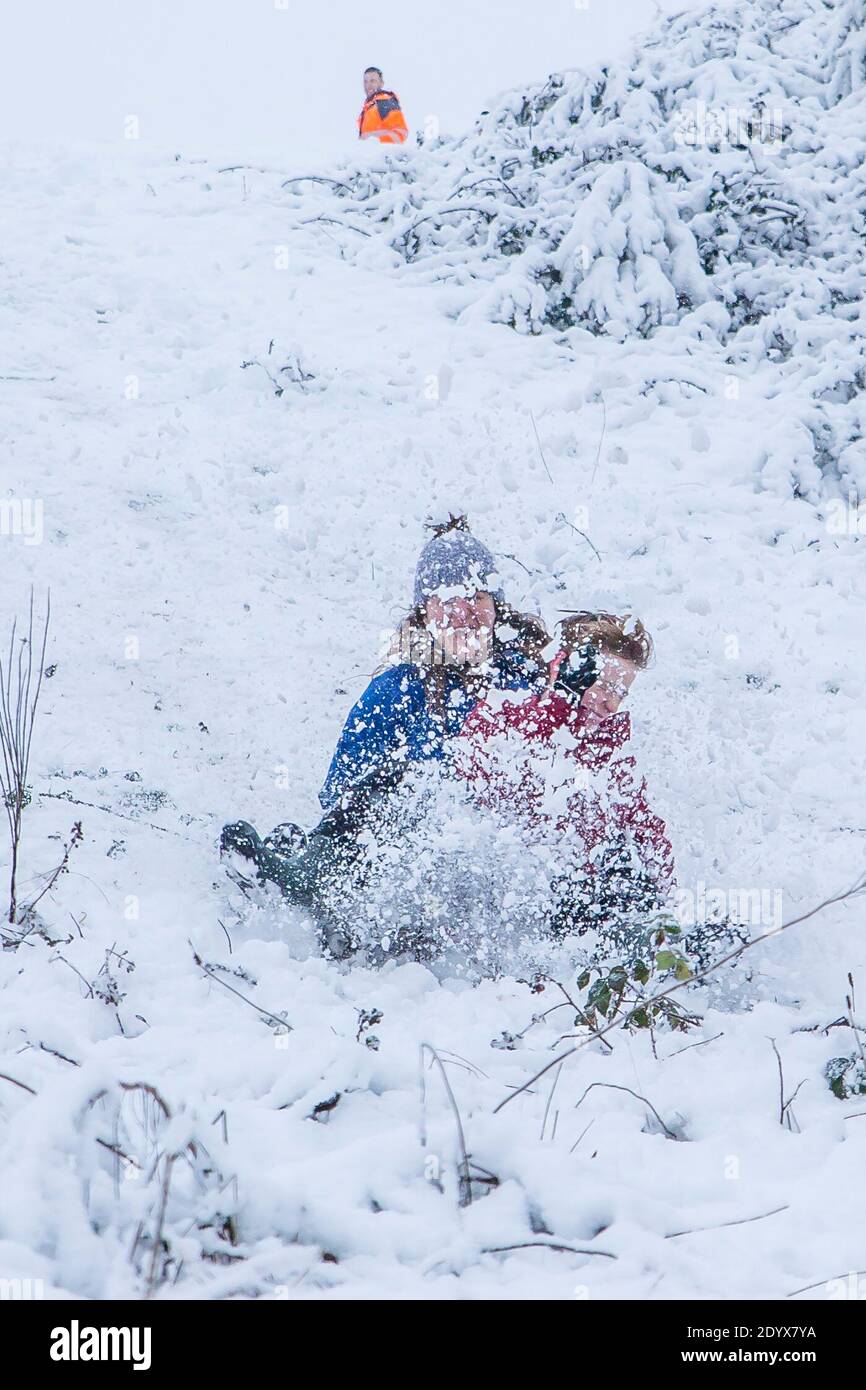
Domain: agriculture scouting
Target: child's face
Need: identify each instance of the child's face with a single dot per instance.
(463, 627)
(606, 694)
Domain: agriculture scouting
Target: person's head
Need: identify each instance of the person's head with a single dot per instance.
(612, 650)
(456, 588)
(372, 80)
(460, 623)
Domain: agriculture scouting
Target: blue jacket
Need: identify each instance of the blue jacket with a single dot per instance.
(391, 721)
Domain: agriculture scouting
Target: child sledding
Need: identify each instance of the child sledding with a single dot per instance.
(523, 731)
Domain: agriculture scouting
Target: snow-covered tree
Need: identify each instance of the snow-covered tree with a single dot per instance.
(711, 180)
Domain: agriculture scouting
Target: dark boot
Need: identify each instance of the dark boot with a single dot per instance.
(286, 838)
(282, 858)
(240, 845)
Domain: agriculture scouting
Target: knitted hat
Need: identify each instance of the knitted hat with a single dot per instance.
(454, 560)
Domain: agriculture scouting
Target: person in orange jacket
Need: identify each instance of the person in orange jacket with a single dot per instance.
(381, 117)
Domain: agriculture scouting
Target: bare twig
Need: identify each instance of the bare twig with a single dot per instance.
(611, 1086)
(72, 843)
(213, 976)
(546, 1245)
(560, 516)
(547, 1106)
(580, 1136)
(849, 1007)
(157, 1234)
(43, 1047)
(822, 1027)
(600, 440)
(315, 178)
(87, 985)
(786, 1115)
(118, 1153)
(540, 450)
(489, 178)
(739, 1221)
(688, 1048)
(848, 1274)
(335, 221)
(465, 1175)
(22, 1084)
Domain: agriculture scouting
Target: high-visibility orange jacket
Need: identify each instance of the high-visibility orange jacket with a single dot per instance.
(382, 119)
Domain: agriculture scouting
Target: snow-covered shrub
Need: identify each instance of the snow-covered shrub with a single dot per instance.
(632, 990)
(715, 171)
(156, 1184)
(846, 1076)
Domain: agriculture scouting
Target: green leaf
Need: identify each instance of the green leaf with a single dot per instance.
(682, 971)
(641, 972)
(599, 996)
(584, 979)
(666, 960)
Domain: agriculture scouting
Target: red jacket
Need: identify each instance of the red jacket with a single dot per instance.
(535, 759)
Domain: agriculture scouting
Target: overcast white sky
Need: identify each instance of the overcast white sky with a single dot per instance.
(277, 78)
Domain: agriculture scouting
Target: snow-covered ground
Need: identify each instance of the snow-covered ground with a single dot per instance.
(225, 564)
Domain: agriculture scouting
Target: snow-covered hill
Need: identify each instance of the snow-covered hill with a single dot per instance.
(237, 400)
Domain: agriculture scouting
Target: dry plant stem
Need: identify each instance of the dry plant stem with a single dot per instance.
(74, 839)
(785, 1112)
(43, 1047)
(740, 1221)
(611, 1086)
(849, 1005)
(157, 1236)
(547, 1106)
(15, 1082)
(212, 976)
(20, 687)
(465, 1176)
(314, 178)
(469, 1066)
(546, 1245)
(86, 983)
(703, 1043)
(600, 440)
(560, 516)
(852, 892)
(540, 450)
